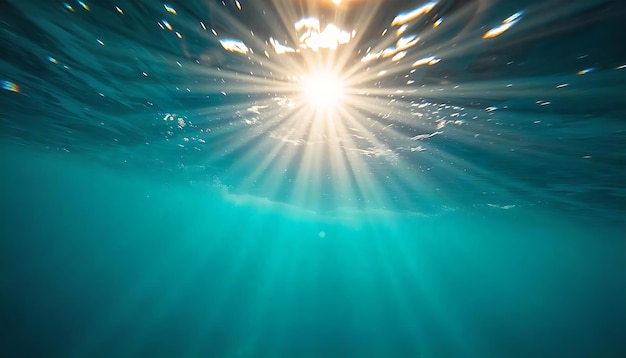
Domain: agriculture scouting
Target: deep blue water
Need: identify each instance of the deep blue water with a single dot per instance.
(170, 190)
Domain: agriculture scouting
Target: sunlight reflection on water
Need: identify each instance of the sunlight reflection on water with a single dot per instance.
(443, 101)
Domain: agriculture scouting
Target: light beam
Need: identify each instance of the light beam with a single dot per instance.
(323, 91)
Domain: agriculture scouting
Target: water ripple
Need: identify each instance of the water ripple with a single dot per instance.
(441, 104)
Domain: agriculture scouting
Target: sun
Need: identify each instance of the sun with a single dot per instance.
(323, 91)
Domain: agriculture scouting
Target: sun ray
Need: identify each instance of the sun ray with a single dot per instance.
(324, 95)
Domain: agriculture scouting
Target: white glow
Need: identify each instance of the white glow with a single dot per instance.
(313, 38)
(322, 90)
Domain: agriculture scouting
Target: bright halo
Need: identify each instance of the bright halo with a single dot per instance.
(322, 90)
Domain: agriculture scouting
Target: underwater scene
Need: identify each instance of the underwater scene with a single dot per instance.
(300, 178)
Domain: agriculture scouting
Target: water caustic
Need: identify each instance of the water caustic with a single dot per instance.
(433, 104)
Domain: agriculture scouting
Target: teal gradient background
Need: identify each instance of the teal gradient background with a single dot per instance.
(100, 263)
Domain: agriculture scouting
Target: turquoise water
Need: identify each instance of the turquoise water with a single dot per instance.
(175, 193)
(106, 263)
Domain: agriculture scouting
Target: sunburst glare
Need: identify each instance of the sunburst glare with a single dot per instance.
(323, 91)
(339, 109)
(330, 105)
